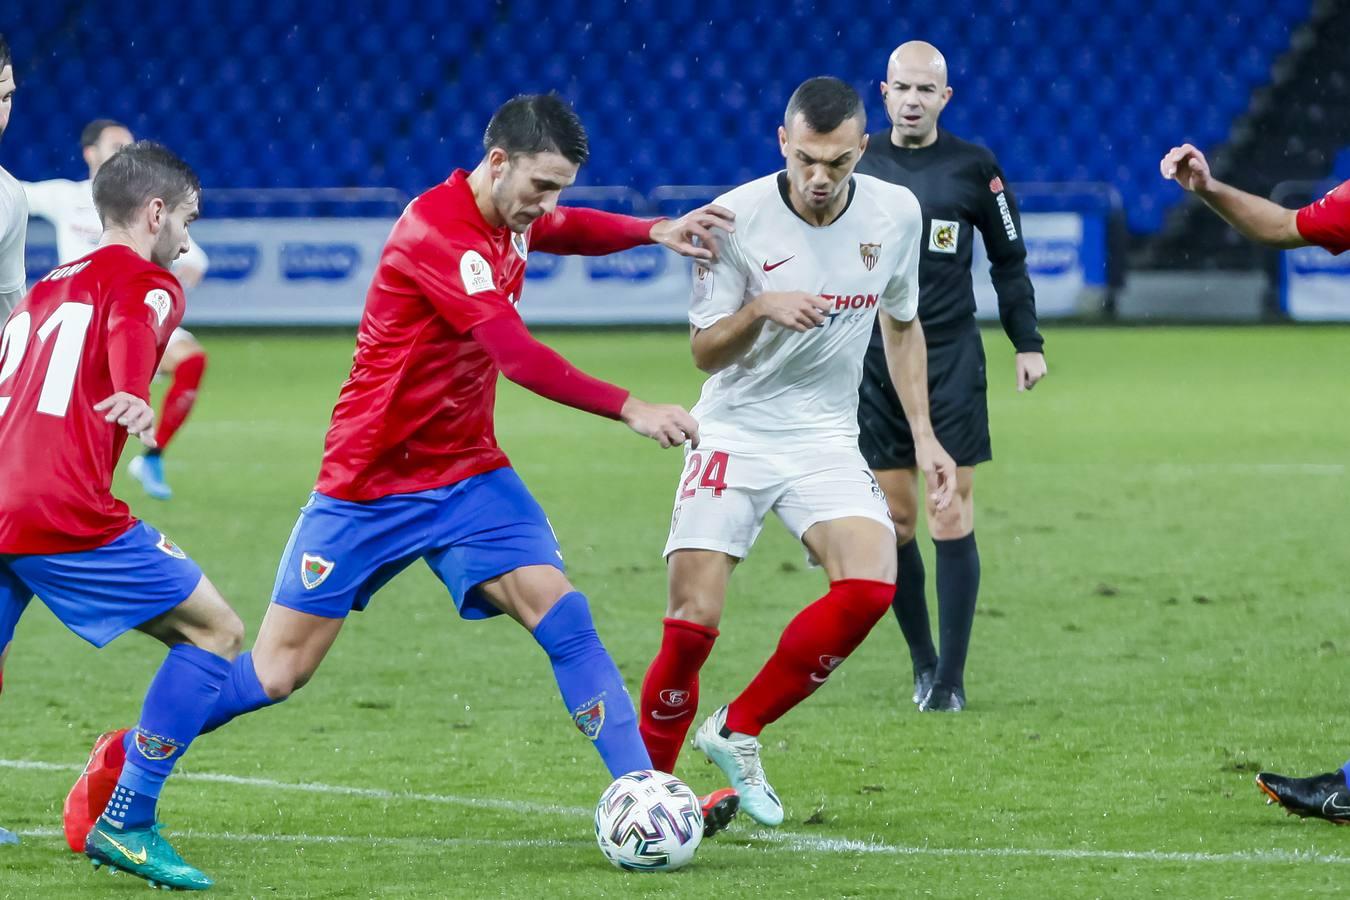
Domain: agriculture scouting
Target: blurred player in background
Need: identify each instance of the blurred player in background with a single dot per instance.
(960, 188)
(411, 467)
(79, 353)
(782, 320)
(13, 225)
(69, 206)
(1324, 223)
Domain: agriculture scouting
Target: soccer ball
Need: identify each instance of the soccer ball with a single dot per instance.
(648, 821)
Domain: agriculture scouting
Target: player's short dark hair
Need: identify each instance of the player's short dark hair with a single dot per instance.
(825, 103)
(94, 130)
(5, 58)
(538, 123)
(137, 174)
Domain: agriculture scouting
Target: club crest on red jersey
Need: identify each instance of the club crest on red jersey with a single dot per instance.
(590, 718)
(674, 698)
(870, 254)
(159, 302)
(314, 570)
(152, 746)
(165, 545)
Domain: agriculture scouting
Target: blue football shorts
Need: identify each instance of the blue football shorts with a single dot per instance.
(102, 593)
(341, 551)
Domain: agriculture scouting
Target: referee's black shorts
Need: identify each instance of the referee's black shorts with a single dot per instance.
(956, 400)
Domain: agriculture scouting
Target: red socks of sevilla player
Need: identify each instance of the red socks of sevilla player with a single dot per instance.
(182, 393)
(670, 690)
(812, 646)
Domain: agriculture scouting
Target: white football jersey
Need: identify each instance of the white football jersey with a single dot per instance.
(804, 386)
(69, 206)
(13, 228)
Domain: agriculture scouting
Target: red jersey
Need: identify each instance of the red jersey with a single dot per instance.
(87, 330)
(1326, 222)
(416, 411)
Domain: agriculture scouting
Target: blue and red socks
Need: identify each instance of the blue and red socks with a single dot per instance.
(183, 691)
(591, 685)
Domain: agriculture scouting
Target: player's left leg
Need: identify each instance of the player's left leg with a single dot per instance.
(497, 553)
(541, 598)
(958, 586)
(185, 363)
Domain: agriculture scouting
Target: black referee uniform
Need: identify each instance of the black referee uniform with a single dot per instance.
(960, 188)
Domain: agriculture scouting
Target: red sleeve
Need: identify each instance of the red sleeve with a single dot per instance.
(1326, 222)
(573, 230)
(452, 267)
(540, 369)
(144, 311)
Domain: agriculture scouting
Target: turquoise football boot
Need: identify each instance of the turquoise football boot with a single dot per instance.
(145, 853)
(149, 471)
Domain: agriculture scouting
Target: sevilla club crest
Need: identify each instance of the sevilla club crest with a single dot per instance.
(314, 570)
(590, 718)
(870, 254)
(674, 697)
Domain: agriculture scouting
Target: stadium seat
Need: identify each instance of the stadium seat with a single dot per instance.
(284, 93)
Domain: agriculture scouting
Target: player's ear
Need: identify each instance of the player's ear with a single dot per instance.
(497, 160)
(862, 148)
(782, 141)
(155, 215)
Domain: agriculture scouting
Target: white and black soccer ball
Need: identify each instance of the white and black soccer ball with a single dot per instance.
(649, 821)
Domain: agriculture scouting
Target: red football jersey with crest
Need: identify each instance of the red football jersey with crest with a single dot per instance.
(88, 329)
(416, 411)
(1326, 222)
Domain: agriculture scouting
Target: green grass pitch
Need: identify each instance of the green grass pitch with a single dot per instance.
(1165, 544)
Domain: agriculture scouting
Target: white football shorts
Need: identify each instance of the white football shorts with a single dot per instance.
(723, 497)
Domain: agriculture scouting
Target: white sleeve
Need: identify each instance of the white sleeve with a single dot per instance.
(194, 258)
(900, 299)
(719, 288)
(48, 199)
(13, 231)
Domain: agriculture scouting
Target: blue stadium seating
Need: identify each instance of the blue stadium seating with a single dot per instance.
(261, 93)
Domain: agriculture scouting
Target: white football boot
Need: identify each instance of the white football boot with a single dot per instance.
(738, 758)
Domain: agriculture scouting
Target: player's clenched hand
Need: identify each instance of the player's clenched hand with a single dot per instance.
(679, 234)
(1187, 166)
(939, 471)
(1030, 369)
(667, 424)
(132, 413)
(797, 310)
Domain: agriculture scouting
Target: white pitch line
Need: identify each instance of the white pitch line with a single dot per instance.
(521, 806)
(771, 840)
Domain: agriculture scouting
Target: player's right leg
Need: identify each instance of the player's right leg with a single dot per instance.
(910, 603)
(141, 580)
(339, 554)
(697, 592)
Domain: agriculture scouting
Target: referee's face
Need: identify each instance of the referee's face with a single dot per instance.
(915, 94)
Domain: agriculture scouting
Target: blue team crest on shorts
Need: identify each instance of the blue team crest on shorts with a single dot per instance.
(314, 570)
(169, 547)
(155, 747)
(590, 718)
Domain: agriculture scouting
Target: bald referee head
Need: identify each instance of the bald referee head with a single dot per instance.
(915, 93)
